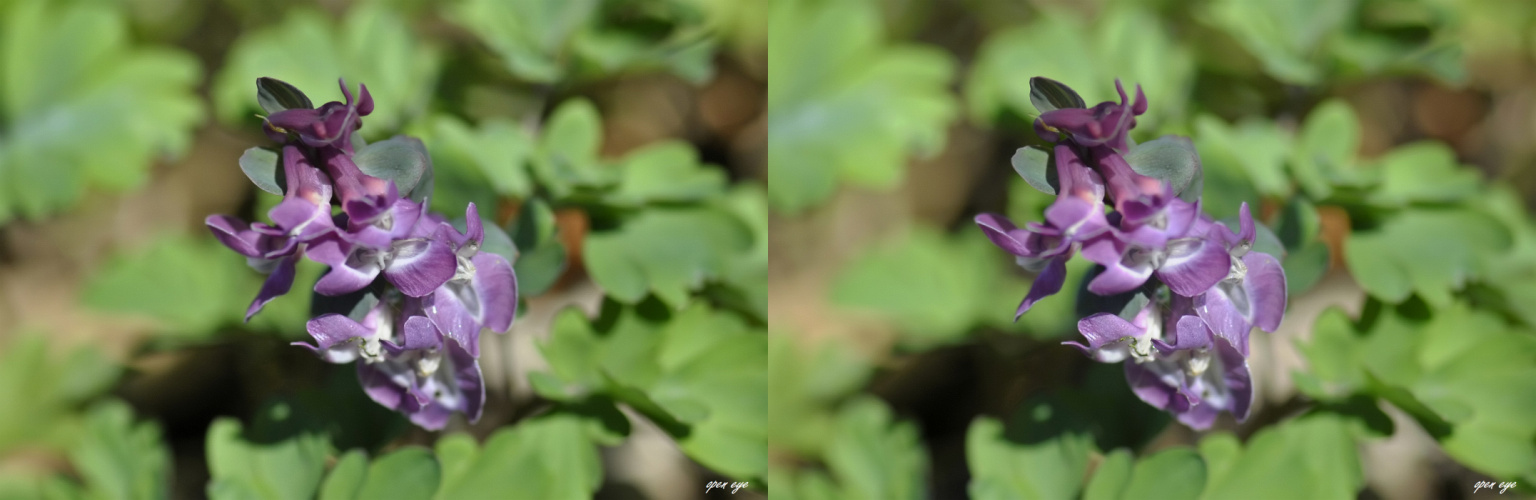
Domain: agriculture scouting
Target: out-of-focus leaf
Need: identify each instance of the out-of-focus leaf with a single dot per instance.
(1310, 457)
(1110, 477)
(404, 474)
(1171, 474)
(845, 106)
(498, 149)
(666, 172)
(245, 470)
(1304, 267)
(120, 459)
(874, 456)
(542, 258)
(549, 457)
(804, 384)
(701, 375)
(1283, 36)
(189, 285)
(1060, 45)
(669, 252)
(1252, 150)
(373, 45)
(567, 155)
(1326, 147)
(346, 478)
(49, 386)
(1423, 172)
(81, 107)
(1002, 468)
(1428, 252)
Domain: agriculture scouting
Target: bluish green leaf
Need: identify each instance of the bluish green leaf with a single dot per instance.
(264, 168)
(1050, 95)
(401, 159)
(1171, 159)
(1034, 165)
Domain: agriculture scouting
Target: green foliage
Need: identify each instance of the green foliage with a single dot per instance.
(43, 388)
(1431, 253)
(548, 41)
(1126, 42)
(869, 456)
(250, 470)
(1055, 466)
(410, 473)
(548, 457)
(81, 108)
(1454, 373)
(372, 45)
(1311, 457)
(699, 374)
(114, 457)
(665, 252)
(846, 106)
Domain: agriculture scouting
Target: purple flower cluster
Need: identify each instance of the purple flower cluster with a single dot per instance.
(417, 346)
(1186, 349)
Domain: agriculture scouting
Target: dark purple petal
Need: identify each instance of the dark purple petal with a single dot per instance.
(1046, 284)
(1150, 387)
(454, 317)
(474, 232)
(384, 388)
(1194, 265)
(497, 287)
(1200, 416)
(350, 276)
(1238, 380)
(1190, 333)
(466, 373)
(365, 102)
(276, 285)
(1111, 337)
(1266, 288)
(417, 333)
(302, 219)
(419, 267)
(1078, 218)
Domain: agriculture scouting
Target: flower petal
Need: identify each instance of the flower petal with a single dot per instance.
(1004, 234)
(449, 312)
(1222, 314)
(1046, 284)
(1194, 266)
(497, 287)
(419, 267)
(277, 284)
(1266, 288)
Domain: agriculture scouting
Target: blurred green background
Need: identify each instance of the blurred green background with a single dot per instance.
(1387, 142)
(622, 144)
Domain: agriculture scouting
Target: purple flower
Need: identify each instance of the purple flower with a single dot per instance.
(1217, 288)
(330, 125)
(482, 292)
(1107, 124)
(415, 372)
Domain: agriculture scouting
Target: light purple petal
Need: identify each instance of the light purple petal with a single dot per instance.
(1218, 310)
(418, 333)
(1194, 266)
(381, 387)
(235, 234)
(1238, 379)
(1189, 334)
(474, 231)
(302, 218)
(453, 309)
(466, 373)
(497, 287)
(419, 267)
(1266, 288)
(1199, 417)
(1150, 388)
(354, 274)
(1078, 219)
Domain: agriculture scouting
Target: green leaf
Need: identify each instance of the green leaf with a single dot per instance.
(276, 95)
(804, 384)
(699, 374)
(1003, 468)
(668, 252)
(264, 168)
(190, 286)
(120, 459)
(873, 456)
(1034, 165)
(549, 457)
(1428, 252)
(1253, 150)
(71, 77)
(543, 257)
(1111, 477)
(531, 36)
(1176, 473)
(1305, 267)
(1326, 148)
(401, 159)
(666, 172)
(372, 45)
(404, 474)
(1283, 36)
(1050, 95)
(1310, 457)
(845, 105)
(1171, 159)
(346, 478)
(1423, 172)
(50, 387)
(496, 150)
(568, 149)
(240, 469)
